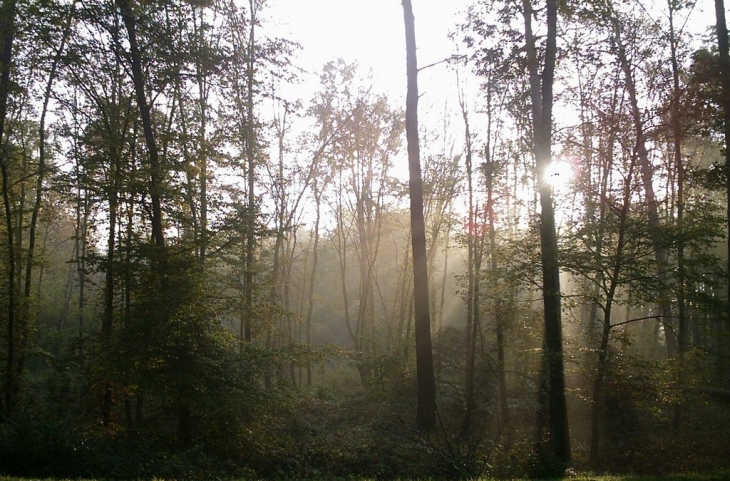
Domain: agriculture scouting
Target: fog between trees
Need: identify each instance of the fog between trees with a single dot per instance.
(202, 276)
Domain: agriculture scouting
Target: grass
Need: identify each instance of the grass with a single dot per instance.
(718, 476)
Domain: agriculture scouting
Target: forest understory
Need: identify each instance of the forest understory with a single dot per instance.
(334, 431)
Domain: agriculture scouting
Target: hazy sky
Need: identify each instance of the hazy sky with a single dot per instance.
(372, 32)
(369, 31)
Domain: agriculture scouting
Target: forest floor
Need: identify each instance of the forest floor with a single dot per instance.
(717, 476)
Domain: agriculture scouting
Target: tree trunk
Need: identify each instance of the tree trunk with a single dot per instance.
(541, 87)
(108, 319)
(251, 148)
(426, 413)
(500, 310)
(472, 296)
(313, 276)
(724, 51)
(678, 165)
(203, 89)
(613, 284)
(155, 186)
(7, 29)
(40, 176)
(647, 175)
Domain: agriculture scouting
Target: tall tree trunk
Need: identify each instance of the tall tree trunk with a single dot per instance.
(366, 284)
(613, 284)
(340, 245)
(426, 413)
(251, 149)
(185, 421)
(203, 90)
(108, 319)
(7, 32)
(404, 298)
(81, 241)
(155, 186)
(276, 281)
(724, 51)
(679, 166)
(499, 307)
(40, 176)
(442, 296)
(313, 275)
(541, 87)
(472, 296)
(647, 175)
(500, 310)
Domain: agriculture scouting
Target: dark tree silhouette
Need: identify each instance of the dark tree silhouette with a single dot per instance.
(541, 91)
(130, 22)
(7, 35)
(724, 51)
(426, 413)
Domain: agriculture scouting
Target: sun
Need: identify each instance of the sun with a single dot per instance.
(559, 174)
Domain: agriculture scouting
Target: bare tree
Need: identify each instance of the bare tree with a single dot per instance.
(426, 413)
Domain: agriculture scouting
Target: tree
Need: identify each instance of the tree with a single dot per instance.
(251, 148)
(623, 32)
(155, 184)
(7, 36)
(677, 144)
(365, 133)
(426, 413)
(541, 95)
(724, 64)
(474, 241)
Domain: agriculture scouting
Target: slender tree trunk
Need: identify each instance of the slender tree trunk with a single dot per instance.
(40, 177)
(185, 423)
(82, 226)
(155, 186)
(251, 149)
(313, 276)
(426, 413)
(541, 87)
(613, 283)
(7, 30)
(500, 310)
(21, 306)
(472, 296)
(405, 299)
(203, 142)
(277, 278)
(361, 322)
(42, 152)
(679, 166)
(647, 175)
(443, 282)
(724, 51)
(605, 170)
(108, 319)
(341, 248)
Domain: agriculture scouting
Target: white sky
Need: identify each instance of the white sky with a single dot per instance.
(370, 32)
